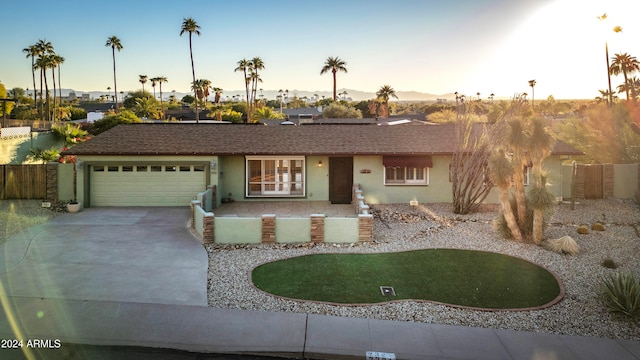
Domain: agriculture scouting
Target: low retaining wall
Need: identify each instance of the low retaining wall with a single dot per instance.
(270, 229)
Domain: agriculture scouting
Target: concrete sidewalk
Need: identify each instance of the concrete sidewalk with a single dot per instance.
(202, 329)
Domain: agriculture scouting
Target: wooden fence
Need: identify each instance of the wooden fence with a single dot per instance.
(23, 181)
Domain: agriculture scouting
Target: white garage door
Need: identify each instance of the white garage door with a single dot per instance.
(145, 185)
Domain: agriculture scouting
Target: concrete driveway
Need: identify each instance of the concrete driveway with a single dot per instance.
(144, 255)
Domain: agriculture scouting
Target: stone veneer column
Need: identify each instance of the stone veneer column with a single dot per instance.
(208, 233)
(365, 227)
(317, 228)
(607, 181)
(52, 182)
(268, 228)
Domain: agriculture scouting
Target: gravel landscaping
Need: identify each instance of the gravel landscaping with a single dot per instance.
(17, 215)
(400, 228)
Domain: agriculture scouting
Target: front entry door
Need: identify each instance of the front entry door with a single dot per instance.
(340, 179)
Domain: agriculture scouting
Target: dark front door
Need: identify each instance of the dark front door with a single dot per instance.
(340, 179)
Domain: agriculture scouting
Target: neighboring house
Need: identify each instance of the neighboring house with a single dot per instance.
(167, 164)
(309, 113)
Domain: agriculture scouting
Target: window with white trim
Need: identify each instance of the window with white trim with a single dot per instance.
(275, 176)
(398, 175)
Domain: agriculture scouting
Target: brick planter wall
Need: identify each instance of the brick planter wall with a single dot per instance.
(317, 228)
(268, 228)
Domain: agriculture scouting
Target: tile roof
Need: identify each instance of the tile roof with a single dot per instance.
(231, 139)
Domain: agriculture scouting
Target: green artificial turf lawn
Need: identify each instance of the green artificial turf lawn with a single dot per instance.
(458, 277)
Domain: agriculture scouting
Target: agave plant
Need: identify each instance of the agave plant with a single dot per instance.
(622, 294)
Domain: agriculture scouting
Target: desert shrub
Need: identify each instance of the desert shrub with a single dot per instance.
(609, 263)
(597, 227)
(563, 245)
(583, 230)
(621, 292)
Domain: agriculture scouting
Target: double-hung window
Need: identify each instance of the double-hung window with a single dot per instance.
(275, 176)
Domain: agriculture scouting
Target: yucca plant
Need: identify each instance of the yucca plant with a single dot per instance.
(622, 294)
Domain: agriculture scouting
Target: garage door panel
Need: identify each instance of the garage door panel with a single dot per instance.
(135, 185)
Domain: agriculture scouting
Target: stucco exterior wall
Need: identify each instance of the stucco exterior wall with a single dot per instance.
(232, 179)
(376, 192)
(14, 150)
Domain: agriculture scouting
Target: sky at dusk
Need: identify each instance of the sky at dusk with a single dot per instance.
(437, 47)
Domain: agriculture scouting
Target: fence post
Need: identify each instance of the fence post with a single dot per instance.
(52, 181)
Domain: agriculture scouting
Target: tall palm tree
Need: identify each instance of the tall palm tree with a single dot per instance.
(59, 61)
(384, 94)
(334, 64)
(616, 29)
(43, 63)
(154, 81)
(32, 52)
(257, 65)
(532, 83)
(191, 26)
(160, 80)
(52, 64)
(624, 64)
(143, 80)
(43, 48)
(114, 43)
(245, 66)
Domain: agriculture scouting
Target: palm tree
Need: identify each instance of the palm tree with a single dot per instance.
(189, 25)
(245, 65)
(53, 63)
(160, 80)
(384, 94)
(32, 52)
(532, 83)
(218, 94)
(43, 48)
(257, 64)
(154, 81)
(143, 80)
(624, 64)
(616, 29)
(115, 44)
(632, 86)
(43, 63)
(59, 61)
(334, 64)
